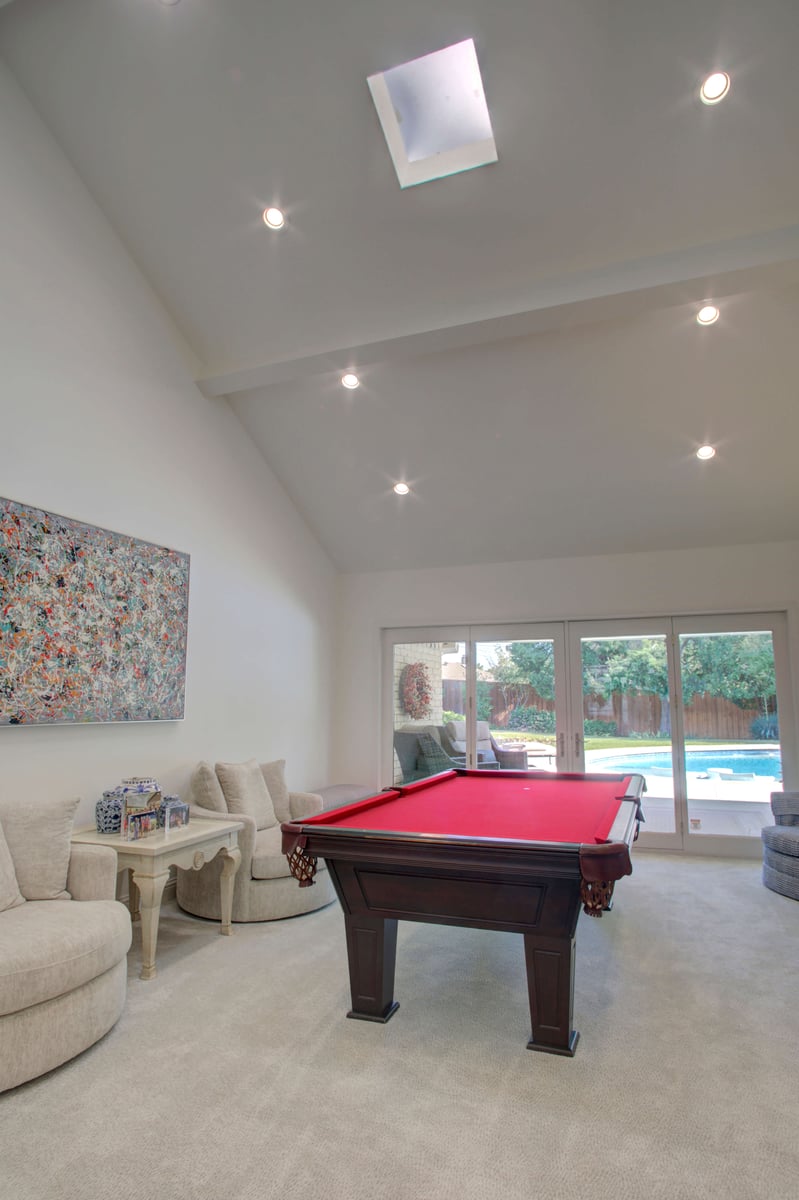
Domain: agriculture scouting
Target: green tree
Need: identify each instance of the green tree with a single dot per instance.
(523, 665)
(736, 666)
(623, 666)
(629, 665)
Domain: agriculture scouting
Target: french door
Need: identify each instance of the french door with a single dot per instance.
(620, 701)
(486, 697)
(694, 704)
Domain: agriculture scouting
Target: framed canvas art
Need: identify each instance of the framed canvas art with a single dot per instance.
(93, 624)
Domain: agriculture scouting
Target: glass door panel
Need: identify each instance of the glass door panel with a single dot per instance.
(626, 716)
(694, 704)
(515, 704)
(733, 759)
(428, 690)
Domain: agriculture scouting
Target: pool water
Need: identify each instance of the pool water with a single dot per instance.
(756, 762)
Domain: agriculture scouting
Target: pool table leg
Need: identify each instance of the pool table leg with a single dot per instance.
(550, 984)
(372, 954)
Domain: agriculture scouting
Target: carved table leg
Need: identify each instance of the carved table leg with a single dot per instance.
(151, 889)
(230, 865)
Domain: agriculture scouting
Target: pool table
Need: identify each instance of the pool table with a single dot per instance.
(512, 850)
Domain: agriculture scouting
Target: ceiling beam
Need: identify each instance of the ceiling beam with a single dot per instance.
(708, 272)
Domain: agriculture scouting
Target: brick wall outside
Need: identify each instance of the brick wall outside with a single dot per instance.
(428, 653)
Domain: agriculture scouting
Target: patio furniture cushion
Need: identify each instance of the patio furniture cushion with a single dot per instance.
(246, 792)
(41, 862)
(10, 895)
(434, 757)
(407, 750)
(456, 733)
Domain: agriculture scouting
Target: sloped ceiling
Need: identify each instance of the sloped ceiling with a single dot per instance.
(525, 331)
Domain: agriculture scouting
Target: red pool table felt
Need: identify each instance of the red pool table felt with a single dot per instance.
(565, 809)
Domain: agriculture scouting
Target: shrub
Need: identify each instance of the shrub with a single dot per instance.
(599, 729)
(446, 717)
(766, 728)
(485, 708)
(532, 720)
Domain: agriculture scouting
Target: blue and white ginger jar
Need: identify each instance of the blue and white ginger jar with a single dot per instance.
(108, 810)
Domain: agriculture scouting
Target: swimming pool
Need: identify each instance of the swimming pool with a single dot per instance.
(746, 760)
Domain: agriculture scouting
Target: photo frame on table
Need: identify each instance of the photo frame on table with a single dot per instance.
(138, 823)
(93, 624)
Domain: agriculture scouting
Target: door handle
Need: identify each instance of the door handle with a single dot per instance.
(561, 744)
(578, 744)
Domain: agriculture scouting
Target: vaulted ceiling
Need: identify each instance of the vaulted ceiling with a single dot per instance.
(524, 332)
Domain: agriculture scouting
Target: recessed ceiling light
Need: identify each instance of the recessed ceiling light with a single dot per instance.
(706, 452)
(715, 87)
(707, 315)
(274, 218)
(350, 381)
(401, 489)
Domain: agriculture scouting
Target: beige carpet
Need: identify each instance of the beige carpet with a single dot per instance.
(235, 1073)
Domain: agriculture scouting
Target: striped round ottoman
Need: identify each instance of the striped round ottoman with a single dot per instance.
(781, 846)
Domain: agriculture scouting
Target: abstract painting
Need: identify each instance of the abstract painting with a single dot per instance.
(93, 624)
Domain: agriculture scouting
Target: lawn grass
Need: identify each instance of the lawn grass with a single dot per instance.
(606, 743)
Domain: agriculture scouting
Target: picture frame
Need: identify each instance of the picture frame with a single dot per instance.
(139, 824)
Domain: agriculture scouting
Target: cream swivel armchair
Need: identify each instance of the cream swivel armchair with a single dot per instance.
(63, 939)
(264, 888)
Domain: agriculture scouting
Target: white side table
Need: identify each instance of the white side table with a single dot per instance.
(149, 860)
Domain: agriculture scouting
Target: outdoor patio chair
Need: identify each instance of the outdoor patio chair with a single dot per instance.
(489, 751)
(433, 758)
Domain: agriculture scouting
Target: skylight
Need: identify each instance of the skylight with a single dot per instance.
(434, 115)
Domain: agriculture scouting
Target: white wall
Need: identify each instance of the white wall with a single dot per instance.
(718, 580)
(100, 421)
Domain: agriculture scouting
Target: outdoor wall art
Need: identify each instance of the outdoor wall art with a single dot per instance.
(93, 624)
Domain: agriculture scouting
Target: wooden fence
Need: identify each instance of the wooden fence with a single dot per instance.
(706, 716)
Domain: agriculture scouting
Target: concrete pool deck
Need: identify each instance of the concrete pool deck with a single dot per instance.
(720, 801)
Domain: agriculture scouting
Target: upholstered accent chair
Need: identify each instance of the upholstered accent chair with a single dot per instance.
(64, 940)
(264, 889)
(781, 845)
